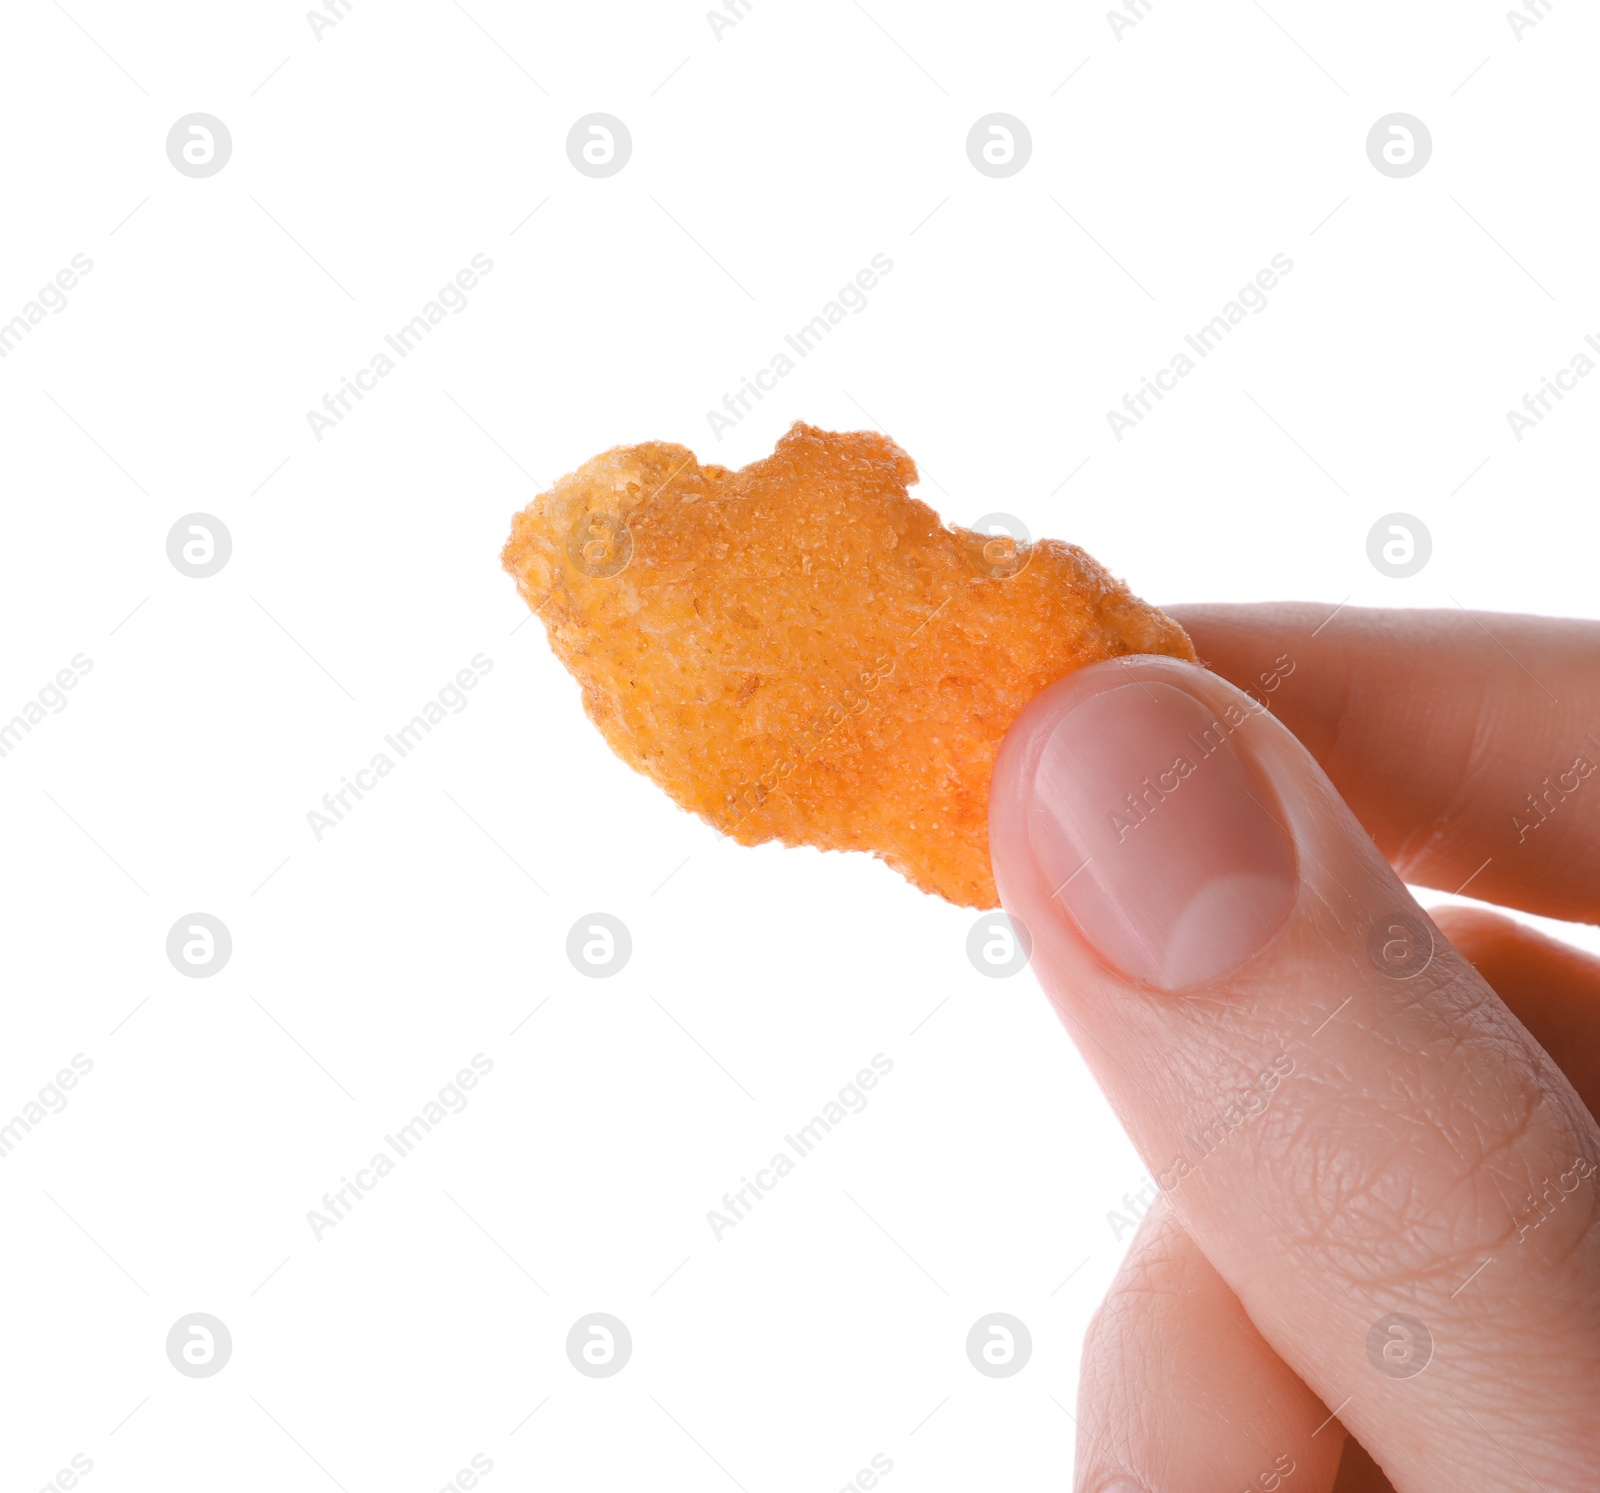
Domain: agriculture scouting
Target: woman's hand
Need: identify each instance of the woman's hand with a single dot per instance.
(1374, 1133)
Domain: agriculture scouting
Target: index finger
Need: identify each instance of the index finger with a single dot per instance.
(1467, 744)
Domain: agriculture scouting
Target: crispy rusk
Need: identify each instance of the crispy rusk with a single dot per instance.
(801, 651)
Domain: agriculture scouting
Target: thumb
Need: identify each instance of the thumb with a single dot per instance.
(1347, 1120)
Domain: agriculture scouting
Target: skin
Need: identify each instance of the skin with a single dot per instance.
(1421, 1117)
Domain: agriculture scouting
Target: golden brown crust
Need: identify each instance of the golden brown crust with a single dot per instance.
(801, 651)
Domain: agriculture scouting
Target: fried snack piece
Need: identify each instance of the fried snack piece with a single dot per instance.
(801, 651)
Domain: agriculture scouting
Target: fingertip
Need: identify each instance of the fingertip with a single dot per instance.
(1124, 811)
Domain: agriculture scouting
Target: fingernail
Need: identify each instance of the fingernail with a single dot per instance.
(1152, 833)
(1121, 1485)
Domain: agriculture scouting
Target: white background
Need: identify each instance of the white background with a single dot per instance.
(768, 166)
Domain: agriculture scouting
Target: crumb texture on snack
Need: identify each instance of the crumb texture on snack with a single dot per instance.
(799, 650)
